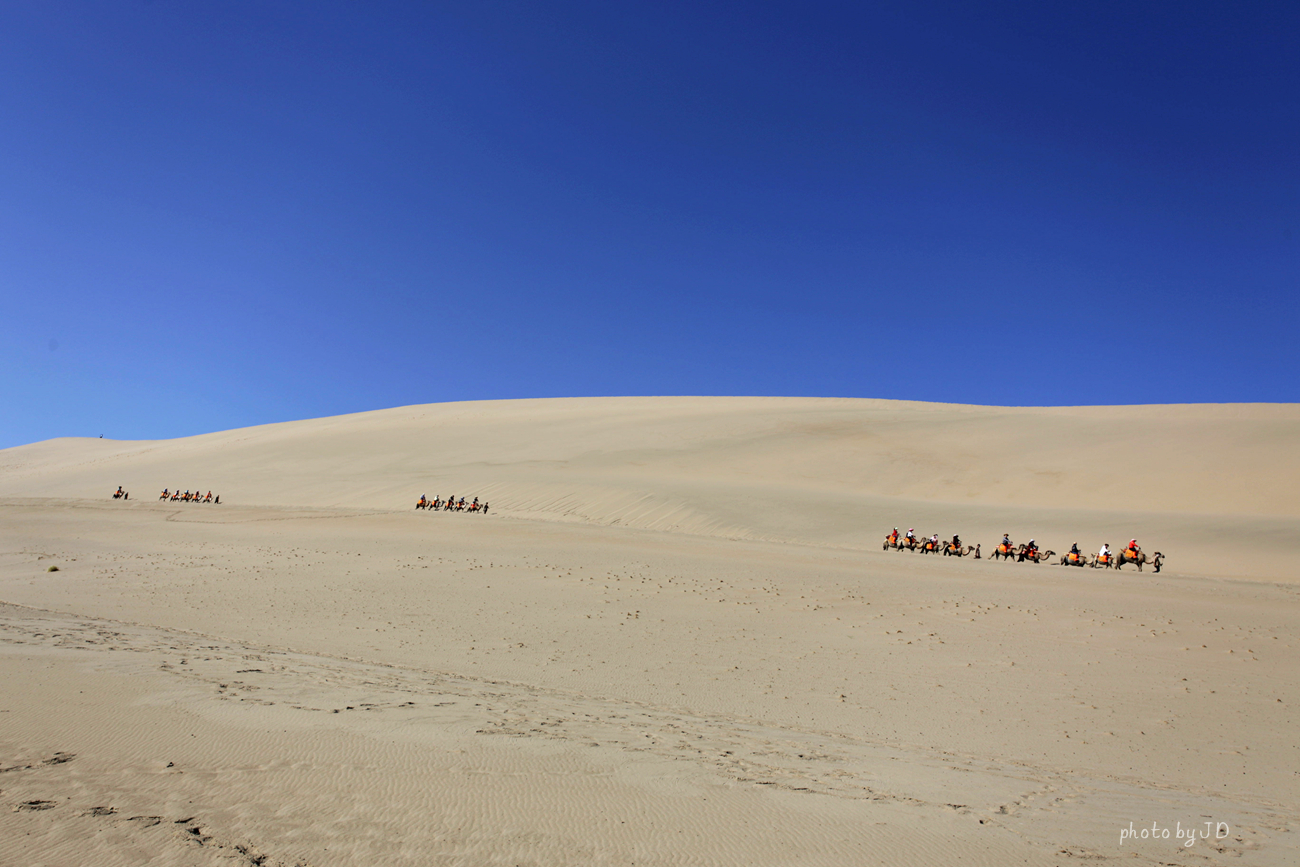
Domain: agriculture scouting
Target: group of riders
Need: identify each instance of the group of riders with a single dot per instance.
(1103, 559)
(1006, 549)
(1108, 559)
(177, 497)
(908, 541)
(451, 504)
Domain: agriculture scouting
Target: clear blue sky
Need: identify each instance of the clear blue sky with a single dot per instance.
(217, 215)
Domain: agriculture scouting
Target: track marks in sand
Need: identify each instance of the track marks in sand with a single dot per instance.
(72, 819)
(1043, 808)
(743, 752)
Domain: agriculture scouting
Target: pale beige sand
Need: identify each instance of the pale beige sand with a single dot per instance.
(675, 640)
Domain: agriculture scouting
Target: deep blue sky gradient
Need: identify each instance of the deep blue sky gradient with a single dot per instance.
(217, 215)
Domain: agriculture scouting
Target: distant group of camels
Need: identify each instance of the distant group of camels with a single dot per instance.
(451, 504)
(187, 497)
(1021, 553)
(894, 541)
(174, 496)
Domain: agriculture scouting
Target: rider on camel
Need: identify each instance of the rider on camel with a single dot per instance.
(1133, 547)
(1006, 541)
(911, 535)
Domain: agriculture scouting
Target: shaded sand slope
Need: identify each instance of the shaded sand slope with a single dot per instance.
(839, 472)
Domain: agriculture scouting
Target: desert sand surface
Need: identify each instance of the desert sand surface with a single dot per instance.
(674, 639)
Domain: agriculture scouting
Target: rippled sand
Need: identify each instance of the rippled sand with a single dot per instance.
(675, 638)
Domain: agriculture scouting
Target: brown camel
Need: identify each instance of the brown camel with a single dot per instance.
(1139, 559)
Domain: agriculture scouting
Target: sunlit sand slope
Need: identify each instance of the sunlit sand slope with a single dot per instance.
(1187, 480)
(674, 641)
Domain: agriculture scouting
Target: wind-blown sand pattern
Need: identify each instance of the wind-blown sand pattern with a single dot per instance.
(674, 640)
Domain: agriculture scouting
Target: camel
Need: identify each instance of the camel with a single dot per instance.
(1156, 560)
(1034, 556)
(1102, 562)
(1074, 560)
(120, 494)
(1005, 552)
(951, 550)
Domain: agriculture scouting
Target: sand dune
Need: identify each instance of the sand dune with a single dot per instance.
(1184, 479)
(675, 640)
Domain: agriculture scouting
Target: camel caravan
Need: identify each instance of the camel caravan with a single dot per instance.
(909, 542)
(177, 497)
(451, 504)
(1026, 552)
(1107, 559)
